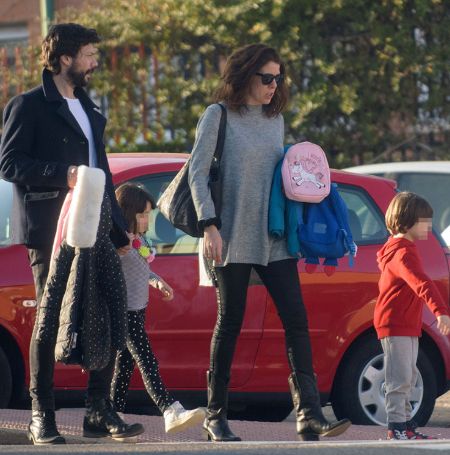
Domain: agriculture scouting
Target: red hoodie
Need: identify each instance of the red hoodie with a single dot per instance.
(404, 287)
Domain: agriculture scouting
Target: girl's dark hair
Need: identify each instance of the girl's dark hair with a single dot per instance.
(405, 210)
(132, 200)
(65, 39)
(239, 69)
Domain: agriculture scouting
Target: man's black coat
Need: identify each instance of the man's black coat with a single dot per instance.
(40, 140)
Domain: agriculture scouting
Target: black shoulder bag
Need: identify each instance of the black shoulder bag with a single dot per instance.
(176, 202)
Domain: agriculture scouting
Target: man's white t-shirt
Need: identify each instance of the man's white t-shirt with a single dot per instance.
(80, 115)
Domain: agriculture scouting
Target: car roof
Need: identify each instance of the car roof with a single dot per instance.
(119, 162)
(439, 167)
(126, 165)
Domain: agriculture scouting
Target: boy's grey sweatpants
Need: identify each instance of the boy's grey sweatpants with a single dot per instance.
(400, 358)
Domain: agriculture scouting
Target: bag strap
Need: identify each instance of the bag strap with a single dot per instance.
(215, 164)
(337, 199)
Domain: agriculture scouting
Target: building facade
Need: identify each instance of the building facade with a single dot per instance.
(20, 20)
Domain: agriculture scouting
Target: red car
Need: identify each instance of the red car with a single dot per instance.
(347, 356)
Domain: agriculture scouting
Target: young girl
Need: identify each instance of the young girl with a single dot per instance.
(136, 205)
(404, 288)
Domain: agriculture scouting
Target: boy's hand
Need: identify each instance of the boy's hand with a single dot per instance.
(443, 324)
(166, 290)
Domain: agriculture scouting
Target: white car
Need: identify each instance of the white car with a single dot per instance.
(430, 179)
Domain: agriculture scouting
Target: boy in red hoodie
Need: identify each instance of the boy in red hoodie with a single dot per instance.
(404, 287)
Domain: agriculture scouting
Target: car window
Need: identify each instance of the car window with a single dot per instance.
(5, 213)
(365, 218)
(434, 188)
(163, 235)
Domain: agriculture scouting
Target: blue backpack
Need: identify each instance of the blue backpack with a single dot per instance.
(324, 232)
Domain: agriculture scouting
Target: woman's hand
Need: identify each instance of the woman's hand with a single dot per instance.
(165, 289)
(212, 244)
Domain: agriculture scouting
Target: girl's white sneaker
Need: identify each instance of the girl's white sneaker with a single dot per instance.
(176, 418)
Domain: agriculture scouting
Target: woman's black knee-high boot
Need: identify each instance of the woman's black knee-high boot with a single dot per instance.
(215, 425)
(311, 423)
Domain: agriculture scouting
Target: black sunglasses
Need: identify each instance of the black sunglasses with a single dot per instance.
(267, 78)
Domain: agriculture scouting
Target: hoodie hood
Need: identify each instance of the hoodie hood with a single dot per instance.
(387, 252)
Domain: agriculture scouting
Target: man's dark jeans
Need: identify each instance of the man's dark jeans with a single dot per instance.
(42, 352)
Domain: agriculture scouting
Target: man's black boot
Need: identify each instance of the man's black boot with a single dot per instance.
(311, 423)
(215, 426)
(42, 429)
(102, 420)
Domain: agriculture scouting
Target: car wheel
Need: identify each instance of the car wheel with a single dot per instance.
(5, 380)
(359, 388)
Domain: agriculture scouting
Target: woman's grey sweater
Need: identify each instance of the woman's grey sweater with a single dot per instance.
(253, 147)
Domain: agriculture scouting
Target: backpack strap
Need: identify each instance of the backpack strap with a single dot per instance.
(343, 224)
(311, 262)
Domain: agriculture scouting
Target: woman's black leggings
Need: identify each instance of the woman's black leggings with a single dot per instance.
(282, 281)
(138, 351)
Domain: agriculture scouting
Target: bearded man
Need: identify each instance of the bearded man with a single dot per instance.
(47, 133)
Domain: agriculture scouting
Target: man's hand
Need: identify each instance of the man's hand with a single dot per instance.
(212, 244)
(443, 324)
(72, 176)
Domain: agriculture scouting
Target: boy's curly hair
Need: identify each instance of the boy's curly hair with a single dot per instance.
(405, 210)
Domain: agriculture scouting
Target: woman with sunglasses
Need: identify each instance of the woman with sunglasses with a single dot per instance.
(237, 239)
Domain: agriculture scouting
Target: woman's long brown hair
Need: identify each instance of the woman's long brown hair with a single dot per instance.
(239, 69)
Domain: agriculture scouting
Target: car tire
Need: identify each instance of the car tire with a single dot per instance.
(365, 360)
(5, 380)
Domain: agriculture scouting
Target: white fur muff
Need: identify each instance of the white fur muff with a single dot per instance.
(84, 212)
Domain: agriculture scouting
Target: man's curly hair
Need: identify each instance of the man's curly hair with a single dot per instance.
(65, 39)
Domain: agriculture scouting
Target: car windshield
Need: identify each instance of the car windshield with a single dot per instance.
(5, 212)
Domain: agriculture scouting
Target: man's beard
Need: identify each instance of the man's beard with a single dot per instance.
(77, 78)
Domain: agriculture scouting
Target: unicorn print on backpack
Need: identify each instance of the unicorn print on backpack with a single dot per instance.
(301, 175)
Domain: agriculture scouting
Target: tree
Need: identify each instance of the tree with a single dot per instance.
(364, 76)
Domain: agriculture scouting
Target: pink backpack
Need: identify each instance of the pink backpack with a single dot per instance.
(305, 173)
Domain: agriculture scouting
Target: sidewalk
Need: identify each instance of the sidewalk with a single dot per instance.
(13, 425)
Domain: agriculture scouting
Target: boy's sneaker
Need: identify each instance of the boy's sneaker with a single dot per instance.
(397, 434)
(411, 430)
(414, 434)
(176, 418)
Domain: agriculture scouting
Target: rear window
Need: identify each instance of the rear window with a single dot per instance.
(5, 213)
(365, 218)
(434, 188)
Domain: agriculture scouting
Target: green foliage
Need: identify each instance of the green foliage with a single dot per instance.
(364, 75)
